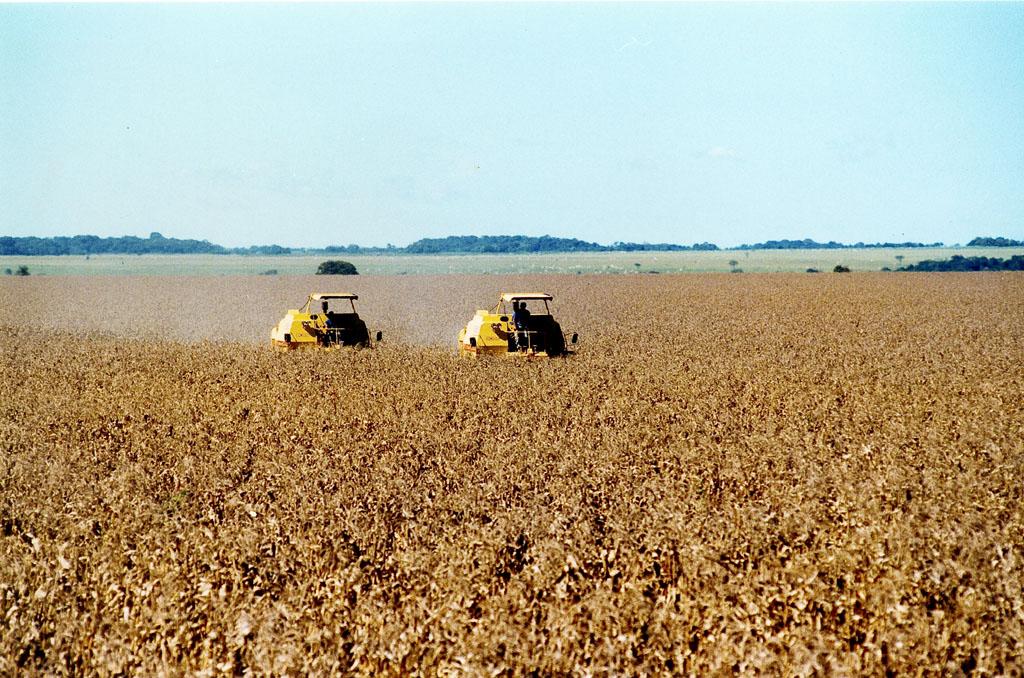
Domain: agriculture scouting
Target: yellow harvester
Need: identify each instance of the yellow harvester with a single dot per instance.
(506, 330)
(332, 327)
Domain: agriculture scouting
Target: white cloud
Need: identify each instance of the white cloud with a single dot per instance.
(721, 152)
(635, 42)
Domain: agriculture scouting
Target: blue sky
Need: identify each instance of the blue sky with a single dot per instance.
(318, 124)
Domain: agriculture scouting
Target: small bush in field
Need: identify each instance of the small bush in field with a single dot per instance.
(336, 268)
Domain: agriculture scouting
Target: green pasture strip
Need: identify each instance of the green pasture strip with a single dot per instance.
(748, 261)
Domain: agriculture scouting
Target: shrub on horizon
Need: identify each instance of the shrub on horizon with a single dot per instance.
(336, 267)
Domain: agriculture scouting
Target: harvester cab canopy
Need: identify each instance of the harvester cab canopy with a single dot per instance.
(333, 295)
(325, 297)
(514, 298)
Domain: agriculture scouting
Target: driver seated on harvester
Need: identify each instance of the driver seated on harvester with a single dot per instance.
(335, 324)
(334, 319)
(328, 316)
(521, 323)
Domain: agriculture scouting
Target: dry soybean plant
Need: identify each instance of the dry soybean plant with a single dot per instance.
(748, 474)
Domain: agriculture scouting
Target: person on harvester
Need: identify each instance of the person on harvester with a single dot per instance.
(521, 322)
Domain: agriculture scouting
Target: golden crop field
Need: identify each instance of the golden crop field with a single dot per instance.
(783, 474)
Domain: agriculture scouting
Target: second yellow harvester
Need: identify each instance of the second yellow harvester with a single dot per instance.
(519, 325)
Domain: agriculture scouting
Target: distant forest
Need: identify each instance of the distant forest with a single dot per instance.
(129, 244)
(456, 244)
(961, 263)
(995, 242)
(808, 244)
(521, 244)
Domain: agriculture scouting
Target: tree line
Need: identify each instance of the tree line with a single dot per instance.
(522, 244)
(962, 263)
(995, 242)
(129, 244)
(455, 244)
(808, 244)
